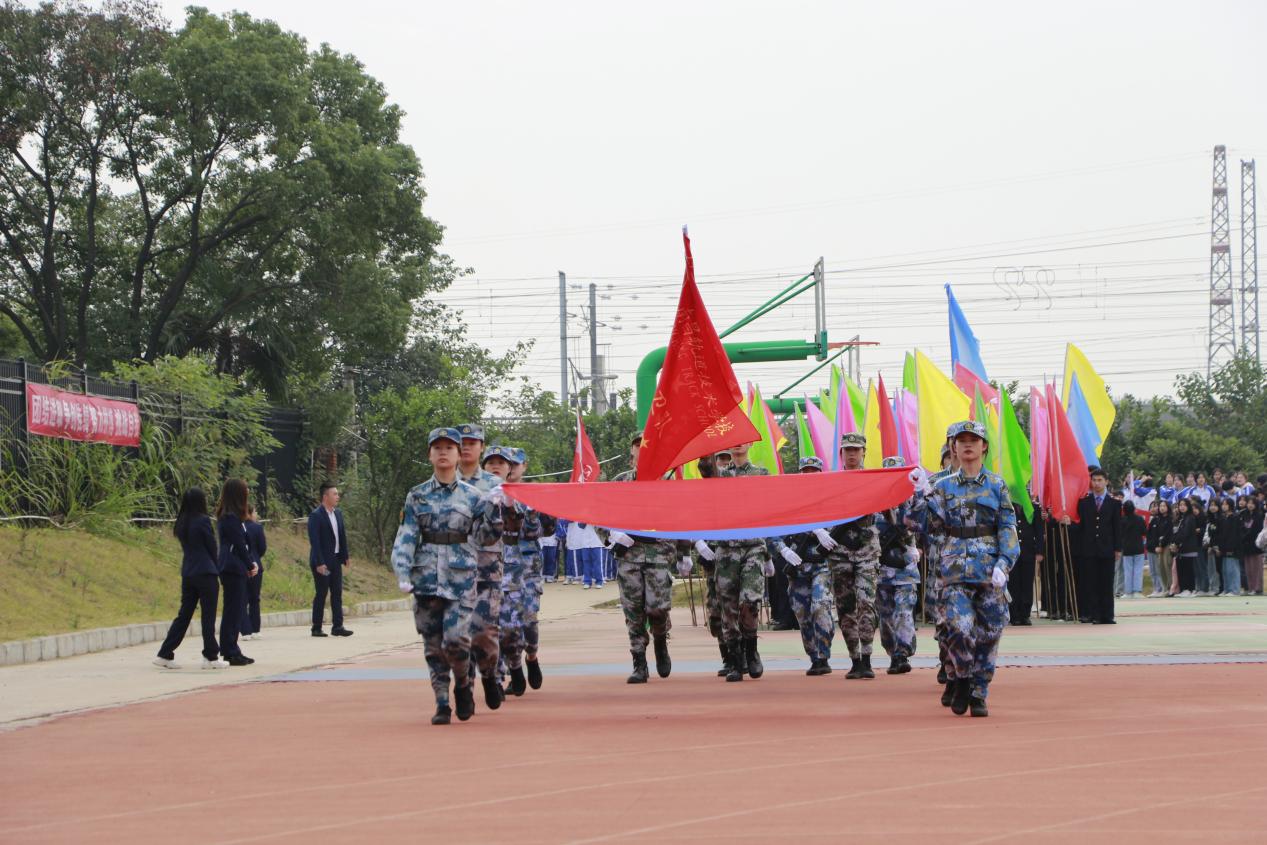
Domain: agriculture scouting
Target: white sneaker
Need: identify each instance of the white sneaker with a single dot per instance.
(215, 664)
(586, 586)
(164, 663)
(257, 636)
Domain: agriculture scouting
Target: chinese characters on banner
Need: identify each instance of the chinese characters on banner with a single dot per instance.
(73, 416)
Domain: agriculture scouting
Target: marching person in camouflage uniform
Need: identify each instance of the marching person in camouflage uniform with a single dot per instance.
(645, 579)
(534, 583)
(485, 635)
(972, 508)
(710, 466)
(809, 590)
(853, 553)
(518, 521)
(442, 519)
(935, 541)
(898, 585)
(742, 567)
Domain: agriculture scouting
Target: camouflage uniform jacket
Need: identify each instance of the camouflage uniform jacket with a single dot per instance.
(488, 556)
(735, 471)
(959, 505)
(520, 526)
(446, 570)
(899, 560)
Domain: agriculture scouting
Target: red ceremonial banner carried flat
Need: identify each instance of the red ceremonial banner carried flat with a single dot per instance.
(723, 508)
(73, 416)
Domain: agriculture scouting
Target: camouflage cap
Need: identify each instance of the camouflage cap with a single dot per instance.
(945, 451)
(968, 427)
(636, 439)
(891, 462)
(725, 450)
(494, 452)
(516, 455)
(472, 431)
(444, 434)
(853, 440)
(810, 462)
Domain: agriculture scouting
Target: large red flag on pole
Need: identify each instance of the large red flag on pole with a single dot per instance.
(584, 461)
(1067, 477)
(696, 408)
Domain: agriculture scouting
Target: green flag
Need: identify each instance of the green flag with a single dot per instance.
(857, 401)
(1014, 456)
(908, 374)
(802, 435)
(982, 413)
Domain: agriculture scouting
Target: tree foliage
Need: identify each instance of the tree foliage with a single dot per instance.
(216, 188)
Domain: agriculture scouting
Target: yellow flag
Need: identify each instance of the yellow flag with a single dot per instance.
(1093, 390)
(871, 428)
(941, 403)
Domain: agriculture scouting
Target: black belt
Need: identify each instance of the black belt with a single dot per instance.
(645, 541)
(968, 532)
(442, 538)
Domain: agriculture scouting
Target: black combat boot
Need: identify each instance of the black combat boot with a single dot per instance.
(534, 673)
(947, 693)
(867, 671)
(492, 693)
(738, 665)
(855, 669)
(898, 666)
(465, 701)
(824, 666)
(941, 673)
(517, 681)
(725, 660)
(755, 667)
(442, 715)
(963, 691)
(640, 673)
(977, 706)
(663, 665)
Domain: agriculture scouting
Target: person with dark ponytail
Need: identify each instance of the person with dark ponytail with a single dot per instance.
(236, 565)
(198, 584)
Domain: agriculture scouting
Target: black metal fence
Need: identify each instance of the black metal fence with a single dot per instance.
(279, 469)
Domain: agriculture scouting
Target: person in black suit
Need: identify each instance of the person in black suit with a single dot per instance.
(328, 556)
(1097, 542)
(199, 586)
(259, 545)
(236, 566)
(1032, 536)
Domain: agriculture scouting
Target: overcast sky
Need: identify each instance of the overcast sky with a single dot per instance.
(1051, 162)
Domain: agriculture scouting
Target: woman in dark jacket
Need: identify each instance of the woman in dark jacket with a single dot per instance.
(1133, 538)
(236, 566)
(1185, 543)
(198, 582)
(1226, 542)
(1251, 556)
(259, 545)
(1160, 528)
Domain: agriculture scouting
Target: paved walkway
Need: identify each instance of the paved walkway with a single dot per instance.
(37, 691)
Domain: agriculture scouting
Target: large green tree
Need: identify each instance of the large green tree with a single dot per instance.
(216, 188)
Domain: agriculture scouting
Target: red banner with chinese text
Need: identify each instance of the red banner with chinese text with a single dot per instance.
(73, 416)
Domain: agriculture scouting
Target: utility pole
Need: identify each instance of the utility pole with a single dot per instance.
(598, 401)
(1222, 312)
(563, 339)
(1249, 263)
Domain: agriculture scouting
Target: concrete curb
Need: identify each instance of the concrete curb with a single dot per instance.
(57, 646)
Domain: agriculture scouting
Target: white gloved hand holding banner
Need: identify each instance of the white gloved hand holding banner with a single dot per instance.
(704, 551)
(620, 538)
(767, 568)
(790, 556)
(998, 578)
(824, 539)
(684, 567)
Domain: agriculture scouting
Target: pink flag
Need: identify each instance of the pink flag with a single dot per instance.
(907, 407)
(1038, 437)
(820, 429)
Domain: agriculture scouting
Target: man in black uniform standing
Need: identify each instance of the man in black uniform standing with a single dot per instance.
(1097, 542)
(1032, 537)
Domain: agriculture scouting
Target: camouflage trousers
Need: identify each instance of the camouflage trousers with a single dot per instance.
(712, 602)
(646, 593)
(933, 603)
(531, 610)
(740, 588)
(445, 628)
(810, 596)
(896, 606)
(975, 616)
(853, 583)
(485, 632)
(511, 640)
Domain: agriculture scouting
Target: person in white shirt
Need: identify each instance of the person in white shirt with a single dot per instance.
(585, 555)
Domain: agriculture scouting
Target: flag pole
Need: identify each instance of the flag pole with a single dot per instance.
(1069, 572)
(690, 595)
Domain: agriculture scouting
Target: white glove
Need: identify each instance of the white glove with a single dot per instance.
(704, 551)
(497, 496)
(998, 578)
(620, 538)
(790, 556)
(824, 539)
(405, 587)
(919, 479)
(767, 568)
(684, 567)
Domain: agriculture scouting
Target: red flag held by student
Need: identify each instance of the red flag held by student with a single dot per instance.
(696, 409)
(1067, 477)
(889, 446)
(584, 461)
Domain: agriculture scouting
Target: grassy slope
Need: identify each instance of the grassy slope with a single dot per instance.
(53, 581)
